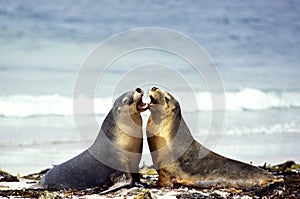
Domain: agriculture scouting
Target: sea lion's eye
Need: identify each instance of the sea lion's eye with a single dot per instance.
(125, 100)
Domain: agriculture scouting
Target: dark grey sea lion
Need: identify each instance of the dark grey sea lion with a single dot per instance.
(180, 159)
(116, 152)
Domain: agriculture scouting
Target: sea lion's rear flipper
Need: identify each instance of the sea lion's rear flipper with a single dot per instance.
(275, 180)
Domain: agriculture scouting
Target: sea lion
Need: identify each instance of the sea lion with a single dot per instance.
(119, 143)
(181, 160)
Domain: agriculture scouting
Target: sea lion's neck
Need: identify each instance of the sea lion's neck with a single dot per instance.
(127, 124)
(129, 134)
(163, 124)
(130, 125)
(122, 130)
(156, 117)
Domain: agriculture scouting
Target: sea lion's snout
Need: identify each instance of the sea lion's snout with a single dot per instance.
(156, 96)
(162, 101)
(138, 97)
(139, 90)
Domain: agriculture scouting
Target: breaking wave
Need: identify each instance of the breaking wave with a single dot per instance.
(253, 99)
(47, 105)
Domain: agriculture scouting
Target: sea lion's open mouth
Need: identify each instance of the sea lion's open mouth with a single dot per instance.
(153, 101)
(141, 106)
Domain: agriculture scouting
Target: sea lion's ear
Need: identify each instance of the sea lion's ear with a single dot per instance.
(174, 107)
(119, 109)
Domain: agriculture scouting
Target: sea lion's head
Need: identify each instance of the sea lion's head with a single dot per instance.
(162, 103)
(131, 102)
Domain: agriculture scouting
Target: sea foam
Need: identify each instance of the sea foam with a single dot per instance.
(252, 99)
(244, 99)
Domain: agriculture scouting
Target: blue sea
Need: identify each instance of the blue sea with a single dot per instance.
(254, 44)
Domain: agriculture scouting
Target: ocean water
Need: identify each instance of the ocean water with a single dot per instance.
(255, 45)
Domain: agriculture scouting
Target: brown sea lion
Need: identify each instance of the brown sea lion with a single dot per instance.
(115, 153)
(181, 160)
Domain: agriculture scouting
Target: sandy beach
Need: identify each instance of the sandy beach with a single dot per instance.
(25, 187)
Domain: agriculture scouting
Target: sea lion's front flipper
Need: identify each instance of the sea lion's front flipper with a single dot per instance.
(123, 181)
(120, 182)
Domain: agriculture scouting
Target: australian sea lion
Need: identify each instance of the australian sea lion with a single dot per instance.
(116, 151)
(180, 159)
